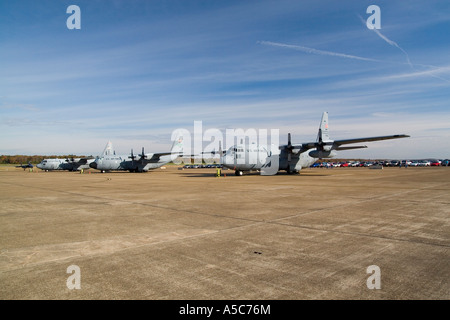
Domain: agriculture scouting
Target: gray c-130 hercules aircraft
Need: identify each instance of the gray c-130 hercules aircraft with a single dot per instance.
(290, 157)
(72, 164)
(143, 162)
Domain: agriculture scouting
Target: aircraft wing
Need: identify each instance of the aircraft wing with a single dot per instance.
(369, 139)
(79, 161)
(350, 148)
(155, 157)
(336, 144)
(84, 160)
(325, 146)
(175, 151)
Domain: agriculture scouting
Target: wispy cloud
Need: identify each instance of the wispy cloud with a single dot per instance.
(23, 106)
(435, 72)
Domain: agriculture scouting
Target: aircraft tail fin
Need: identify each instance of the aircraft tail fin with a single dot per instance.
(324, 134)
(109, 150)
(177, 145)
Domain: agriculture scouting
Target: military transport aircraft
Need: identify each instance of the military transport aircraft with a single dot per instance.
(72, 164)
(143, 162)
(25, 166)
(290, 157)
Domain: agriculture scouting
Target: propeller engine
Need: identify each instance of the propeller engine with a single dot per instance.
(290, 151)
(132, 157)
(323, 149)
(221, 153)
(142, 156)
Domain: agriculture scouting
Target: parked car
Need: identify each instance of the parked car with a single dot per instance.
(336, 165)
(394, 163)
(435, 163)
(406, 163)
(424, 163)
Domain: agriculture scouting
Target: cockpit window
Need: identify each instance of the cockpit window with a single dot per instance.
(233, 150)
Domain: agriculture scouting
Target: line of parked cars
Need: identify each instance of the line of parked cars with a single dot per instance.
(384, 163)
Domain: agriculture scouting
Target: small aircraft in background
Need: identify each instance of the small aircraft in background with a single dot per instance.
(290, 157)
(25, 166)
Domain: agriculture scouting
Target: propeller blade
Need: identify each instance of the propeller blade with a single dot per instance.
(220, 152)
(320, 141)
(143, 156)
(289, 155)
(132, 156)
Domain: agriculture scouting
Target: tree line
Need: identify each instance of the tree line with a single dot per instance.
(23, 159)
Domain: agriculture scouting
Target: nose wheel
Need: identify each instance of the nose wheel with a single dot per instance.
(238, 173)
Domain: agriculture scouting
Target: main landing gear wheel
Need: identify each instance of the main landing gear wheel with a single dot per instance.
(238, 173)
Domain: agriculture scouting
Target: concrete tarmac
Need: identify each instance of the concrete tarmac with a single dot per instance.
(186, 234)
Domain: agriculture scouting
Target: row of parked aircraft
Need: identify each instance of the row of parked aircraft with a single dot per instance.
(109, 161)
(240, 157)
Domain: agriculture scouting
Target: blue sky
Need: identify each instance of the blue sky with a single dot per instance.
(137, 70)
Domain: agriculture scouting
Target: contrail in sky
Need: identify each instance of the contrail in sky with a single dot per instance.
(315, 51)
(395, 44)
(348, 56)
(389, 41)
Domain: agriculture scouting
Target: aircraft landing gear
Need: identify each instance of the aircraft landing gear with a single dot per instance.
(238, 173)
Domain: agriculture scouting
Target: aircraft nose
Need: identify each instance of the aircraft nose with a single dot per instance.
(93, 165)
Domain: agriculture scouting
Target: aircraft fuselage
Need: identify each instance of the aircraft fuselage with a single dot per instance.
(62, 164)
(259, 157)
(123, 163)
